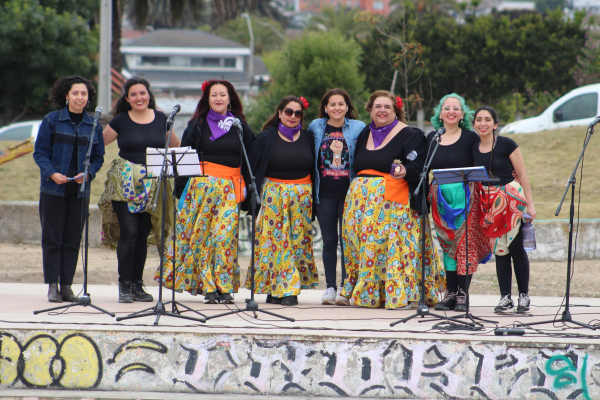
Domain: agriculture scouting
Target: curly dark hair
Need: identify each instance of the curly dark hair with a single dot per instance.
(350, 114)
(384, 93)
(275, 120)
(202, 108)
(58, 93)
(122, 105)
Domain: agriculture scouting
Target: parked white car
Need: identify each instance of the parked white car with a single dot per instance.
(579, 107)
(20, 131)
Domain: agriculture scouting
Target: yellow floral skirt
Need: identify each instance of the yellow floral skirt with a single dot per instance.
(206, 240)
(283, 254)
(382, 250)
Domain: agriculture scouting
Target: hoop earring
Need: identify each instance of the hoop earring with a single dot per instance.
(67, 102)
(229, 107)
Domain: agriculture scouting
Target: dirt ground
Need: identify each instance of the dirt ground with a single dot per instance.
(23, 263)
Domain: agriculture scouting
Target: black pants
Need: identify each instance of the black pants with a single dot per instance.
(520, 262)
(455, 281)
(132, 248)
(62, 222)
(330, 212)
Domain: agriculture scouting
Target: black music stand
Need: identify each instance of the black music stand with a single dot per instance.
(566, 315)
(84, 300)
(251, 304)
(159, 309)
(464, 176)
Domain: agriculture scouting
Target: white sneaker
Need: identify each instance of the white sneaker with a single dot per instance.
(411, 304)
(341, 300)
(328, 297)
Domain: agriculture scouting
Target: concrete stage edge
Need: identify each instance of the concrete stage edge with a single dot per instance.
(329, 351)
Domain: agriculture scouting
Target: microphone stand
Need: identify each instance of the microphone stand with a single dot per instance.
(159, 309)
(422, 309)
(84, 300)
(251, 304)
(566, 315)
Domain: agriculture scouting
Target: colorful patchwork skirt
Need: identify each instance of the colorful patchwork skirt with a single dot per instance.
(382, 250)
(283, 254)
(206, 239)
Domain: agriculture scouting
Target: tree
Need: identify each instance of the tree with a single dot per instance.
(37, 46)
(308, 67)
(341, 18)
(267, 33)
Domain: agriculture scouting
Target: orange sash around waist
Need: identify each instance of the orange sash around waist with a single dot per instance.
(232, 174)
(396, 190)
(300, 181)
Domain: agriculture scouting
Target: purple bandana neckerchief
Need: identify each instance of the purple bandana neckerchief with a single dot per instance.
(219, 124)
(289, 132)
(379, 134)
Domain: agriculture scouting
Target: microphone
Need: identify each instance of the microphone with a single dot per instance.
(439, 133)
(98, 113)
(594, 122)
(176, 109)
(237, 123)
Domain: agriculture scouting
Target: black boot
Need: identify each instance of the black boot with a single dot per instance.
(53, 294)
(461, 301)
(125, 295)
(273, 300)
(138, 293)
(289, 301)
(447, 303)
(226, 298)
(211, 298)
(67, 294)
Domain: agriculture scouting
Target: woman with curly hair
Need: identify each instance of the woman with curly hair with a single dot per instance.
(129, 222)
(60, 151)
(207, 225)
(381, 226)
(450, 200)
(282, 160)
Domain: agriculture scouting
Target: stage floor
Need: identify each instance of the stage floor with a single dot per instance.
(19, 301)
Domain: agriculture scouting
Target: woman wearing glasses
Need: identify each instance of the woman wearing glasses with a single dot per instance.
(336, 131)
(449, 201)
(382, 228)
(282, 159)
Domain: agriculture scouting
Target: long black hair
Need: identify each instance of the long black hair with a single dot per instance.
(122, 104)
(58, 93)
(275, 120)
(492, 112)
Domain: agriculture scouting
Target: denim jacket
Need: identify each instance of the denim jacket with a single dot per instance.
(351, 130)
(55, 143)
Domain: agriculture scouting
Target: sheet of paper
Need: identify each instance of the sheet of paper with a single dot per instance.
(186, 159)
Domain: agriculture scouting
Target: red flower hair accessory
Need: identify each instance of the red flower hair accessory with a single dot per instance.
(399, 102)
(204, 85)
(304, 102)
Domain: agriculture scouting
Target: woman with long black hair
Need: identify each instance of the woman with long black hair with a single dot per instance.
(129, 222)
(60, 151)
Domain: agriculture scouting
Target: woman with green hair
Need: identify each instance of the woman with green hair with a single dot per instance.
(448, 201)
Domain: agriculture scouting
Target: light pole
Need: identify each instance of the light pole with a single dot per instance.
(104, 93)
(251, 66)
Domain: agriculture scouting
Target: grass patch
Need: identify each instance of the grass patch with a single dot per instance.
(549, 157)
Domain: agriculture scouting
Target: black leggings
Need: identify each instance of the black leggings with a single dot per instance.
(521, 265)
(132, 247)
(455, 281)
(330, 213)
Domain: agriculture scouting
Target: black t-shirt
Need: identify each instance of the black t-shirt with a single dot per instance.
(134, 138)
(291, 160)
(73, 167)
(226, 150)
(502, 167)
(333, 163)
(455, 155)
(381, 159)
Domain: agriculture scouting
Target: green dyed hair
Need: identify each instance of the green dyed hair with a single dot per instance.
(465, 123)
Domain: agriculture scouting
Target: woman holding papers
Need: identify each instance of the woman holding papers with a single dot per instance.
(129, 222)
(449, 200)
(207, 225)
(282, 159)
(381, 226)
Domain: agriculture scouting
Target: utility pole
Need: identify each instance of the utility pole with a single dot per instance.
(251, 66)
(104, 75)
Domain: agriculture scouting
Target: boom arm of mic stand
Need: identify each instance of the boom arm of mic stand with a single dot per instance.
(571, 180)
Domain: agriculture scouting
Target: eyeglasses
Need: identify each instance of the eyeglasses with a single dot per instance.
(289, 112)
(448, 108)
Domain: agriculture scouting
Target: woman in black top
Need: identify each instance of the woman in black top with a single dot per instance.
(381, 226)
(282, 159)
(207, 225)
(129, 222)
(503, 205)
(449, 201)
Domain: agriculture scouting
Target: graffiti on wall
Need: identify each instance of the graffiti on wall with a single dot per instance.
(237, 364)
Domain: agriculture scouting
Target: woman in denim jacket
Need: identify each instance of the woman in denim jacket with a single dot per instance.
(336, 131)
(60, 151)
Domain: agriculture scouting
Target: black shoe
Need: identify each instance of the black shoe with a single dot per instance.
(67, 294)
(125, 295)
(461, 301)
(289, 301)
(53, 294)
(139, 293)
(447, 303)
(226, 298)
(524, 303)
(273, 299)
(211, 298)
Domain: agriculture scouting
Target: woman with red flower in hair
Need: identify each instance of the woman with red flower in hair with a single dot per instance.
(207, 225)
(282, 160)
(382, 227)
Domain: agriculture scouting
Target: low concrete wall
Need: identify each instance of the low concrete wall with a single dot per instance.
(298, 365)
(20, 223)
